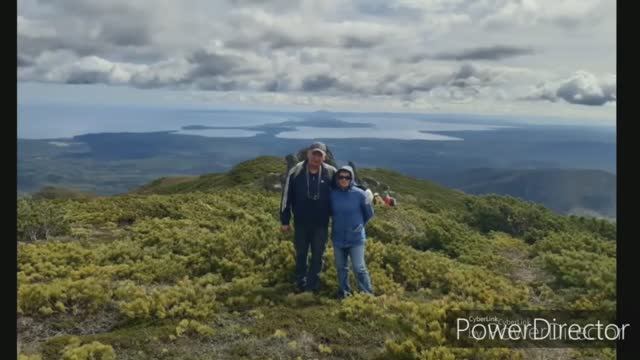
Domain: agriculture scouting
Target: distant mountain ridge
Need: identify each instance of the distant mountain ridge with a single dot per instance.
(567, 191)
(570, 192)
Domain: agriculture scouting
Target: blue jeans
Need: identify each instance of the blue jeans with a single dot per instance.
(359, 268)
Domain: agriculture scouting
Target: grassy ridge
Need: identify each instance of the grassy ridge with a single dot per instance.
(243, 174)
(196, 268)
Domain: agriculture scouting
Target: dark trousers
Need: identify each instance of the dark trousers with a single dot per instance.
(307, 237)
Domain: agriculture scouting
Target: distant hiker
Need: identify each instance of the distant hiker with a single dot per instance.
(377, 199)
(306, 192)
(351, 210)
(388, 200)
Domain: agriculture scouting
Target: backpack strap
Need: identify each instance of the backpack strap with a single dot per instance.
(298, 168)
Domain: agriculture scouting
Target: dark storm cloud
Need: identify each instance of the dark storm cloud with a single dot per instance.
(319, 83)
(489, 53)
(497, 52)
(24, 61)
(211, 64)
(126, 35)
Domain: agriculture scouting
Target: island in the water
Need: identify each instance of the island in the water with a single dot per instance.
(286, 125)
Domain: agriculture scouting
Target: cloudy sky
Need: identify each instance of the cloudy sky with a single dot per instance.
(530, 57)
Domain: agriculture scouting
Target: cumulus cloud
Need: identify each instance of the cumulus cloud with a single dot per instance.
(64, 67)
(403, 51)
(582, 88)
(34, 28)
(172, 72)
(291, 31)
(465, 80)
(568, 14)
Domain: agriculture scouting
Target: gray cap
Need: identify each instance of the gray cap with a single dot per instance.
(318, 146)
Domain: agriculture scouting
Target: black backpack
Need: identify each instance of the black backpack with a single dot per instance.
(358, 183)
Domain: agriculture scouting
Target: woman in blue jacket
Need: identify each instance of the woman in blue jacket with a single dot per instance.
(351, 209)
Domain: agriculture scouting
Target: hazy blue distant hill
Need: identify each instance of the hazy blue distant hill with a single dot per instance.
(317, 122)
(568, 191)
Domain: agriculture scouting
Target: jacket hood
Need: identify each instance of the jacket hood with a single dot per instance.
(350, 170)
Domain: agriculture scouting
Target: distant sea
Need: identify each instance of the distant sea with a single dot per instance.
(64, 121)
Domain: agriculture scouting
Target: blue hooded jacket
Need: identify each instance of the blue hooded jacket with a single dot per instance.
(351, 210)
